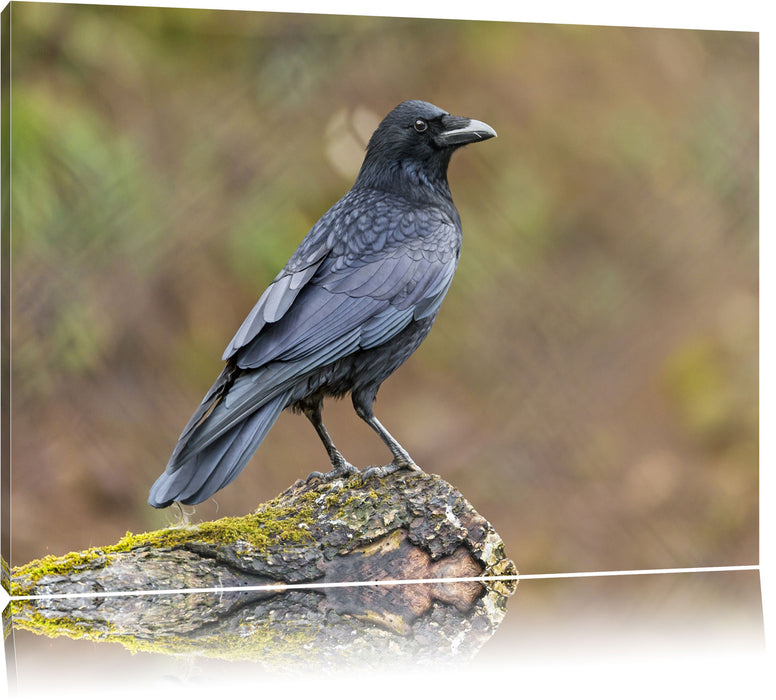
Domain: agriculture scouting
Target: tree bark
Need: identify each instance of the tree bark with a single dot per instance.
(407, 526)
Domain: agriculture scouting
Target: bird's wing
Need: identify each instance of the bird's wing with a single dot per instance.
(354, 306)
(302, 266)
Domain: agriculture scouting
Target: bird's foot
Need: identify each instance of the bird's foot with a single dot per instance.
(387, 469)
(342, 469)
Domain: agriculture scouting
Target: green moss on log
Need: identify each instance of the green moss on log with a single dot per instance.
(271, 523)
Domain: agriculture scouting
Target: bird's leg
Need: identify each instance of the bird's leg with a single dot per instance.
(340, 466)
(401, 458)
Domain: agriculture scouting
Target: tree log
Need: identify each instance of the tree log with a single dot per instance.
(407, 526)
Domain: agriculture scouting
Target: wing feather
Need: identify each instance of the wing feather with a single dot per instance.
(276, 299)
(338, 293)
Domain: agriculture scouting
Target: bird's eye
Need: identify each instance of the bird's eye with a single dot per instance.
(420, 125)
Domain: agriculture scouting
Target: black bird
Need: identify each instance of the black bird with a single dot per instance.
(355, 300)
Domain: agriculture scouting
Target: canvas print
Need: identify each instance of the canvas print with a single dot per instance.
(226, 238)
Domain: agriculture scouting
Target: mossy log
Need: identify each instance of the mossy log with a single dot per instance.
(407, 526)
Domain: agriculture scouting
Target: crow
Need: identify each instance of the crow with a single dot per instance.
(354, 301)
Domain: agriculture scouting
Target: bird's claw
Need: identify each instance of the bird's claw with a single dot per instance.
(343, 469)
(387, 469)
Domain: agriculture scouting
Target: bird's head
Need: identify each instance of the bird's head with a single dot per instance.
(416, 141)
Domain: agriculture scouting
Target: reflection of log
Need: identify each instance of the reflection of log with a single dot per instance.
(405, 526)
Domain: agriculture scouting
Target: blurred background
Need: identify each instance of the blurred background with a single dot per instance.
(591, 383)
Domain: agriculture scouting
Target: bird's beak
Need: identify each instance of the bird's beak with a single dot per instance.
(462, 130)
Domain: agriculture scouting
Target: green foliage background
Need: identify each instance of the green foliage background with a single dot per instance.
(591, 383)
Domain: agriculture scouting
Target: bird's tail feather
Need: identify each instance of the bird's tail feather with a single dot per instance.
(193, 476)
